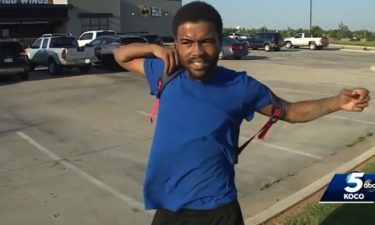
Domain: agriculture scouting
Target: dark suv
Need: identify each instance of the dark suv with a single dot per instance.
(13, 59)
(267, 40)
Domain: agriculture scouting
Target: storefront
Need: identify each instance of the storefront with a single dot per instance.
(28, 19)
(154, 16)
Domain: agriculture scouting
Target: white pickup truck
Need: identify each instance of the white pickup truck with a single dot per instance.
(304, 39)
(88, 36)
(59, 51)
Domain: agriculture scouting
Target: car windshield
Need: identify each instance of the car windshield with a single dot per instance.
(10, 48)
(230, 41)
(105, 33)
(63, 42)
(129, 40)
(152, 38)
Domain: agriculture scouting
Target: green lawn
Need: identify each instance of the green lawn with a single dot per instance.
(337, 214)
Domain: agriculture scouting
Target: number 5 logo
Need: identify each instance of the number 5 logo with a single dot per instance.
(354, 182)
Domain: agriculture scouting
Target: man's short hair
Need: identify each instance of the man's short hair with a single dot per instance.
(195, 12)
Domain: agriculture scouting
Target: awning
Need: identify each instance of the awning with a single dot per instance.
(96, 15)
(29, 13)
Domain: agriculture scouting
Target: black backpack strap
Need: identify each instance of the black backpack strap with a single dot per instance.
(162, 82)
(278, 111)
(165, 79)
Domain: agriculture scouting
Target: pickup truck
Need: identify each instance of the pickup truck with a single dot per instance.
(59, 51)
(304, 39)
(88, 36)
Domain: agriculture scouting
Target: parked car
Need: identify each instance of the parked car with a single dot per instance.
(167, 41)
(232, 48)
(150, 37)
(237, 36)
(88, 36)
(267, 40)
(58, 51)
(105, 46)
(13, 59)
(304, 39)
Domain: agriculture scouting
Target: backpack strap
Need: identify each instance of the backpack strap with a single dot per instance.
(162, 82)
(278, 111)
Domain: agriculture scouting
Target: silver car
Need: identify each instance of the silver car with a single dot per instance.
(232, 48)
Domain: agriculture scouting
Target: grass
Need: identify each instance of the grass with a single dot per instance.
(356, 43)
(337, 214)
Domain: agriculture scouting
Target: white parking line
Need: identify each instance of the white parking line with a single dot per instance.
(266, 144)
(143, 113)
(300, 91)
(285, 149)
(130, 201)
(306, 92)
(354, 120)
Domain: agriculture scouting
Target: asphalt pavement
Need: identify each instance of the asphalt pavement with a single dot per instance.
(73, 148)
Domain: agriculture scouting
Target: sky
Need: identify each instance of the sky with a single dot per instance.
(277, 14)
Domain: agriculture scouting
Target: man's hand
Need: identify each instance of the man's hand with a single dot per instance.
(354, 100)
(169, 56)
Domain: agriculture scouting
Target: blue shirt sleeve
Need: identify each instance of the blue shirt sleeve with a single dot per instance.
(257, 96)
(154, 68)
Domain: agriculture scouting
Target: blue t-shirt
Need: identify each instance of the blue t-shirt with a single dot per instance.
(194, 150)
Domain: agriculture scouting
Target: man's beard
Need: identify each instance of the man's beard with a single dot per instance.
(205, 74)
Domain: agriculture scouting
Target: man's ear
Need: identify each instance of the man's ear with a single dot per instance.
(175, 41)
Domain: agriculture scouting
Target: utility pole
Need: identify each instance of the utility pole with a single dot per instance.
(365, 33)
(310, 15)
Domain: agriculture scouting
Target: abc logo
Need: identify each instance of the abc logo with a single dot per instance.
(369, 185)
(355, 182)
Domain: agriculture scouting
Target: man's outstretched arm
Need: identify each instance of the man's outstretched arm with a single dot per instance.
(350, 100)
(131, 57)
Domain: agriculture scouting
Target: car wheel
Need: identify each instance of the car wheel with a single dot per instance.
(267, 47)
(221, 55)
(32, 67)
(84, 69)
(288, 45)
(53, 68)
(312, 46)
(25, 76)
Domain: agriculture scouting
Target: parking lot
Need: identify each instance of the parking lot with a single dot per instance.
(73, 148)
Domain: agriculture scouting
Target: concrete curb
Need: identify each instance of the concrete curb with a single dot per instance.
(352, 47)
(307, 191)
(357, 50)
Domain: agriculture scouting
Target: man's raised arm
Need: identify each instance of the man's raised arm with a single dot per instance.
(131, 57)
(350, 100)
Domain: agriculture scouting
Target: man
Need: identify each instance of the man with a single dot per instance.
(190, 175)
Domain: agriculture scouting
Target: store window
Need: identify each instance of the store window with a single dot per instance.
(94, 23)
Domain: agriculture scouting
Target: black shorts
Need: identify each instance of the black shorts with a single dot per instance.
(229, 214)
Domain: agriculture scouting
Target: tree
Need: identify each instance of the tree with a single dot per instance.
(316, 31)
(343, 31)
(288, 33)
(333, 34)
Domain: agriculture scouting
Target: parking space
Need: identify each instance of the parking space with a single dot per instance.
(73, 148)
